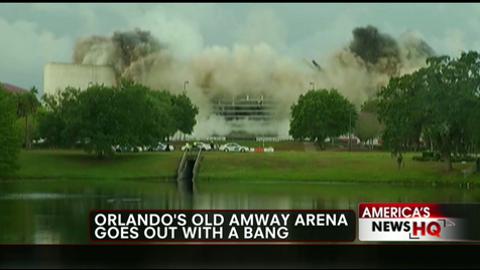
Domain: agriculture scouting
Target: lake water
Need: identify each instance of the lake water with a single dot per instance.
(56, 211)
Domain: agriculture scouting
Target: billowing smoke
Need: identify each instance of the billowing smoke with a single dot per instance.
(376, 49)
(120, 51)
(414, 52)
(370, 59)
(214, 73)
(383, 54)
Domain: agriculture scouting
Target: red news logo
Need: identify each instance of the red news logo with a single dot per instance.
(422, 228)
(431, 228)
(416, 229)
(405, 222)
(399, 211)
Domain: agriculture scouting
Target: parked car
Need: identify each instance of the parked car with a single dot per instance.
(139, 149)
(186, 147)
(197, 146)
(202, 146)
(268, 150)
(39, 141)
(162, 147)
(126, 148)
(122, 148)
(234, 147)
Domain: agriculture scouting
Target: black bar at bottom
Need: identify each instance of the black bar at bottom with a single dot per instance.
(263, 256)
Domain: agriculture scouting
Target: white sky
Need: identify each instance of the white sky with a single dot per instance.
(34, 34)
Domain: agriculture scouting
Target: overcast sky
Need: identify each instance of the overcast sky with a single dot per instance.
(35, 34)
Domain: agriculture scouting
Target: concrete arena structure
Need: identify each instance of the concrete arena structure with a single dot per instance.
(58, 76)
(245, 116)
(246, 107)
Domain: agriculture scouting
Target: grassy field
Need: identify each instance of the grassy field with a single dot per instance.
(72, 164)
(327, 166)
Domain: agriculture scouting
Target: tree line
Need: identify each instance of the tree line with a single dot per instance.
(94, 119)
(437, 106)
(325, 113)
(321, 114)
(101, 116)
(17, 120)
(9, 133)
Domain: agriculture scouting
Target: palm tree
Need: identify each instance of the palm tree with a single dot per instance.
(27, 105)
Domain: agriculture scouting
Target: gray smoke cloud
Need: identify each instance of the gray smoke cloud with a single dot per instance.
(119, 51)
(376, 49)
(357, 70)
(371, 59)
(384, 54)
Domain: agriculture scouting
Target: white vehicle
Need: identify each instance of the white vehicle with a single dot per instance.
(39, 141)
(186, 147)
(138, 149)
(202, 146)
(126, 149)
(197, 145)
(234, 147)
(268, 149)
(161, 147)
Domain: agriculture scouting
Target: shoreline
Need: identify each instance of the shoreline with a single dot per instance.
(326, 167)
(166, 180)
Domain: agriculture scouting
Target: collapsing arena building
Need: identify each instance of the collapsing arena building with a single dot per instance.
(242, 91)
(243, 110)
(58, 76)
(236, 112)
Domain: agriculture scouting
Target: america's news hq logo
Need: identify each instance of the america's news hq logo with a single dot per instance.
(409, 222)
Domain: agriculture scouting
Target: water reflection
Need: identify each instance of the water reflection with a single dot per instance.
(56, 212)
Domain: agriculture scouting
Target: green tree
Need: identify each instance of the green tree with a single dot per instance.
(370, 106)
(100, 122)
(400, 109)
(320, 114)
(184, 112)
(163, 117)
(153, 115)
(101, 117)
(451, 101)
(27, 106)
(9, 135)
(58, 118)
(131, 114)
(367, 126)
(437, 102)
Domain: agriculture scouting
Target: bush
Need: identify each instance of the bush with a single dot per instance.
(9, 134)
(427, 156)
(434, 156)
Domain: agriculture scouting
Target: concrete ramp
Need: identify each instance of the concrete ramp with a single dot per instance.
(188, 170)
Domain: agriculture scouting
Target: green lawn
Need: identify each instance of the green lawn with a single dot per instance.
(327, 166)
(73, 164)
